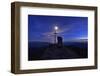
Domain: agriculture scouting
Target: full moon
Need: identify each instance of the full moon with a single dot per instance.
(56, 28)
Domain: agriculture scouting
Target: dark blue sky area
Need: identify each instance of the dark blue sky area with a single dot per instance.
(41, 28)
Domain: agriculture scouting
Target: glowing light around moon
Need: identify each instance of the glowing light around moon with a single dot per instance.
(56, 28)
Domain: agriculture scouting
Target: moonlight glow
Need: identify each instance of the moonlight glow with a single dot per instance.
(56, 28)
(42, 28)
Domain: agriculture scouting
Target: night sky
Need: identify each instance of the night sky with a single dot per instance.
(41, 28)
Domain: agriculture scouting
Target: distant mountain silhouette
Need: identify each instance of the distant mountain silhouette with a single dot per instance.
(77, 43)
(38, 44)
(77, 40)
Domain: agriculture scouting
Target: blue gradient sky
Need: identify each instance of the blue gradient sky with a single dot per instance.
(41, 28)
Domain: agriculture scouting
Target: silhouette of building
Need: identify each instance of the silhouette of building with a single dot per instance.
(60, 41)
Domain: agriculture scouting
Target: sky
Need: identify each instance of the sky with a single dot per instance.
(41, 27)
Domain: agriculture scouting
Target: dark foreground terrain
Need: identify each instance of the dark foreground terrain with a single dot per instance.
(47, 51)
